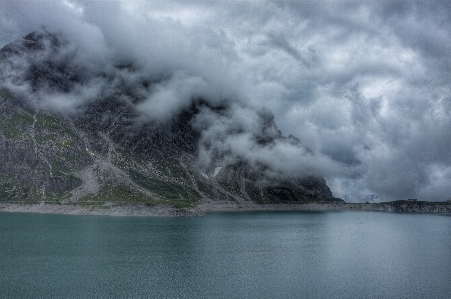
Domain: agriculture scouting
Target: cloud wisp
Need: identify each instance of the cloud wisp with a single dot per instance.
(364, 85)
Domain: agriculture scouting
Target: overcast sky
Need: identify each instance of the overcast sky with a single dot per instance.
(366, 85)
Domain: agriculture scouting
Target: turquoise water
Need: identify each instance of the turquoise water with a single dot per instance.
(226, 255)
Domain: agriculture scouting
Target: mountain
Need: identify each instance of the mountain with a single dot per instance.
(75, 132)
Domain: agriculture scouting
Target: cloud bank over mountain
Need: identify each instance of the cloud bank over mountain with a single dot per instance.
(364, 85)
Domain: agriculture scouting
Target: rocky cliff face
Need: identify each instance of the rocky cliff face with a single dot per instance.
(105, 148)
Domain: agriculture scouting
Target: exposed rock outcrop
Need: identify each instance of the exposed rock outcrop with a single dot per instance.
(107, 149)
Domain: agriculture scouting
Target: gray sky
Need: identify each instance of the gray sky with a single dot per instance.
(366, 85)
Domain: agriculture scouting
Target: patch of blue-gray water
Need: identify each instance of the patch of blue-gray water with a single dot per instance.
(226, 255)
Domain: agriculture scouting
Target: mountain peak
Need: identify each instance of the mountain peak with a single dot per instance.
(119, 134)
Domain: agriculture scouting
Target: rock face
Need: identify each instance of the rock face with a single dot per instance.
(107, 150)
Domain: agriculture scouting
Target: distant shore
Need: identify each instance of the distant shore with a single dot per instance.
(223, 206)
(394, 206)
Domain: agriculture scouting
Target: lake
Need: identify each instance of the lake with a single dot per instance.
(226, 255)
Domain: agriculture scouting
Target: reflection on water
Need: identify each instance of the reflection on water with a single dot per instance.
(226, 255)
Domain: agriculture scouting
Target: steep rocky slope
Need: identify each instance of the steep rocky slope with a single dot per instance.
(106, 149)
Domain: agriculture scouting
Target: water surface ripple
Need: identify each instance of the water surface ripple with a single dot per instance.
(226, 255)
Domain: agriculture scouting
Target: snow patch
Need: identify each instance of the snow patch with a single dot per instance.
(206, 176)
(89, 152)
(215, 173)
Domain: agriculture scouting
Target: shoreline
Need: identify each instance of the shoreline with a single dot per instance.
(221, 206)
(108, 210)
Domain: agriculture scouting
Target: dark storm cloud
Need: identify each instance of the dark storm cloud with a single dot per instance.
(365, 85)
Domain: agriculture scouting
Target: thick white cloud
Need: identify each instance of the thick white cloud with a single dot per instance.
(365, 85)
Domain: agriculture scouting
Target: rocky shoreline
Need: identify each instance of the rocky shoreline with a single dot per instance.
(111, 210)
(223, 206)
